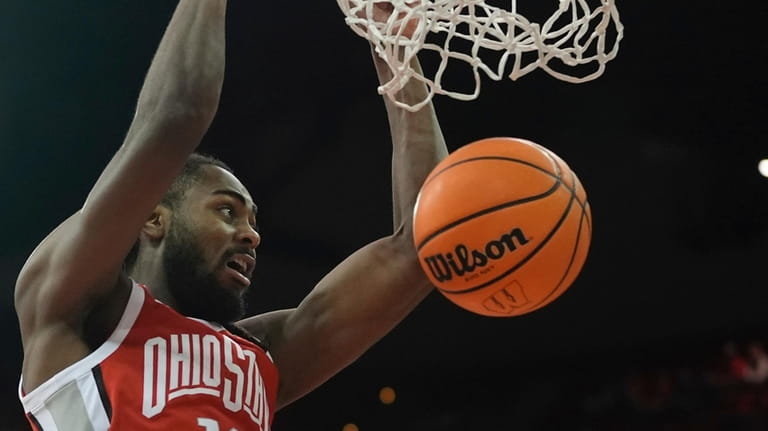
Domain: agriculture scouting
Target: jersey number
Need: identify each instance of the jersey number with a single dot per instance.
(209, 424)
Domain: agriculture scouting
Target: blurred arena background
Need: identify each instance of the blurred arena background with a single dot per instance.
(663, 329)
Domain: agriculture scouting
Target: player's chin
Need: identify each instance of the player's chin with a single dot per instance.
(229, 300)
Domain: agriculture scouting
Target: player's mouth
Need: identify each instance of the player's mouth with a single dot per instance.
(240, 267)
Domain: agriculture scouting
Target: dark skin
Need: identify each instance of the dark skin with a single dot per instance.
(73, 288)
(221, 215)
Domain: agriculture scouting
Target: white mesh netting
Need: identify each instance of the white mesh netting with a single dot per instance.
(573, 44)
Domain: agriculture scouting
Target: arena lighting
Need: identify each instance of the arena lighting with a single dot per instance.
(763, 167)
(387, 395)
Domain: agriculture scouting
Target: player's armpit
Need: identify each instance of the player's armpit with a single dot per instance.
(267, 326)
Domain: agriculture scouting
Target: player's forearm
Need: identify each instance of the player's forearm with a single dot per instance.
(176, 106)
(418, 145)
(185, 78)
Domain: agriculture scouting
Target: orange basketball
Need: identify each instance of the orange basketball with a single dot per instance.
(502, 226)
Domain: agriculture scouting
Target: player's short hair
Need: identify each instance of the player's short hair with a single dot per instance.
(190, 174)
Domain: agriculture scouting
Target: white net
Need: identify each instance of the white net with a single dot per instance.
(573, 44)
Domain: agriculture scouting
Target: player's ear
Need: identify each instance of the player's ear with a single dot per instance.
(158, 223)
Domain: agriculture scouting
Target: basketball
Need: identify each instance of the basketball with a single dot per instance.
(502, 226)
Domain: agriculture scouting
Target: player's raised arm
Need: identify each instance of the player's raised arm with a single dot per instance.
(73, 278)
(369, 293)
(418, 144)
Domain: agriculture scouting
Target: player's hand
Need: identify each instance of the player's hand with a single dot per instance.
(383, 10)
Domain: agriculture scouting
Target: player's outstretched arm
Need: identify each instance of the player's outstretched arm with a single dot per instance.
(75, 273)
(369, 293)
(418, 143)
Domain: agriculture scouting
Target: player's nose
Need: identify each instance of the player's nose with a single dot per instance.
(248, 235)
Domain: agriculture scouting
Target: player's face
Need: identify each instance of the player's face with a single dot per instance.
(210, 248)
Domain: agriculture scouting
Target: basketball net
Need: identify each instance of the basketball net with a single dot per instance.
(580, 34)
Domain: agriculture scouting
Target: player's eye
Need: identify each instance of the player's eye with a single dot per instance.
(227, 210)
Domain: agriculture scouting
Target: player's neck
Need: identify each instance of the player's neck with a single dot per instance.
(149, 271)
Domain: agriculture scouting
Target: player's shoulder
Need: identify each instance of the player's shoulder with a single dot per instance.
(53, 262)
(47, 294)
(41, 260)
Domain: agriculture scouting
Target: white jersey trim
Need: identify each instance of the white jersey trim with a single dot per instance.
(45, 420)
(35, 400)
(94, 407)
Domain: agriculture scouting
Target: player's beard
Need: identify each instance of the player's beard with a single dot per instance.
(196, 291)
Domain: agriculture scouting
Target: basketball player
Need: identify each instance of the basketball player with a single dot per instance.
(129, 310)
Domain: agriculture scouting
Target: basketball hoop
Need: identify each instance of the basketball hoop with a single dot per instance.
(580, 34)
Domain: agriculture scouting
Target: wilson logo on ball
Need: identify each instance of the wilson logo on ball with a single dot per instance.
(463, 261)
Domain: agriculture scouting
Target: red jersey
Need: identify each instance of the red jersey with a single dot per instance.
(160, 370)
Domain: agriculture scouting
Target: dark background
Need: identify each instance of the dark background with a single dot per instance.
(666, 143)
